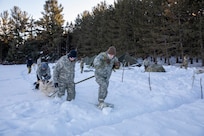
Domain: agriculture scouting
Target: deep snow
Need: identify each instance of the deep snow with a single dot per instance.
(173, 107)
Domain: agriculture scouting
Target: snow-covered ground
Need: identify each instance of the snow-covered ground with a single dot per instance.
(173, 107)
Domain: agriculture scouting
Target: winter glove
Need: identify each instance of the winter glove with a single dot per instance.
(116, 65)
(56, 85)
(47, 77)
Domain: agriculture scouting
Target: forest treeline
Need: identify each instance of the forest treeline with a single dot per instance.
(156, 28)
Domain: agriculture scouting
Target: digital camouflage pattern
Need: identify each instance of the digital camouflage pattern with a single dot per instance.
(43, 74)
(63, 74)
(103, 69)
(185, 63)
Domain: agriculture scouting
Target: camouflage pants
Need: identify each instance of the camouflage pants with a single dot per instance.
(70, 87)
(103, 87)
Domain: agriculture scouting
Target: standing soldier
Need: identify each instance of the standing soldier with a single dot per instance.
(104, 63)
(185, 62)
(146, 63)
(29, 62)
(63, 75)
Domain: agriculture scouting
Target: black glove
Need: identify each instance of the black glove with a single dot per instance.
(116, 65)
(56, 85)
(47, 77)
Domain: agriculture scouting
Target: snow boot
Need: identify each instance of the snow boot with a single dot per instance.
(102, 105)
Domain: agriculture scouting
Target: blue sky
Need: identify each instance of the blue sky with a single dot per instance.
(34, 7)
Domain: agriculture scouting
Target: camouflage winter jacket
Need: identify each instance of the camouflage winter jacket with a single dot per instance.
(64, 70)
(43, 74)
(103, 65)
(146, 62)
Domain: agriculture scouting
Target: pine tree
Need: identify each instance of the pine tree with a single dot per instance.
(5, 35)
(52, 28)
(19, 22)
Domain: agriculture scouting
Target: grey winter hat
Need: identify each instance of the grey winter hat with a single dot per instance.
(44, 66)
(72, 54)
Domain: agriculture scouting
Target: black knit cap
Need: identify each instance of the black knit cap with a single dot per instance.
(72, 54)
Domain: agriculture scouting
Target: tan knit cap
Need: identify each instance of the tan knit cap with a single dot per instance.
(112, 50)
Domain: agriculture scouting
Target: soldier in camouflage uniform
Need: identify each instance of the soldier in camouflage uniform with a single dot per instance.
(43, 73)
(63, 75)
(146, 63)
(185, 62)
(104, 63)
